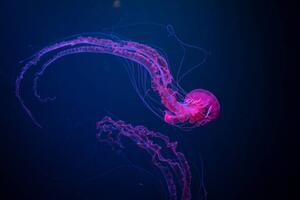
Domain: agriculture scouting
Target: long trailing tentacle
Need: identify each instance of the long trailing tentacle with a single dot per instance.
(171, 165)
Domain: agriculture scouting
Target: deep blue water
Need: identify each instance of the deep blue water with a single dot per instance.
(239, 152)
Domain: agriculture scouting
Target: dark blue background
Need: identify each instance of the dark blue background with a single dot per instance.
(241, 150)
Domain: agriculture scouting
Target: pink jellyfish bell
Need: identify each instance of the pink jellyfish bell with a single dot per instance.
(203, 105)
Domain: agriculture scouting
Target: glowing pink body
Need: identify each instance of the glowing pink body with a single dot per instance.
(198, 108)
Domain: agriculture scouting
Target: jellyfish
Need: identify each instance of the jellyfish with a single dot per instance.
(181, 109)
(193, 108)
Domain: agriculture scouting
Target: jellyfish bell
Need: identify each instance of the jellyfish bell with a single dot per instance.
(198, 108)
(204, 106)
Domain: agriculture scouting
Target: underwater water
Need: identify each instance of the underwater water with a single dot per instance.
(232, 49)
